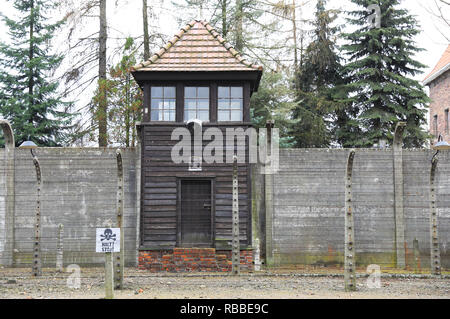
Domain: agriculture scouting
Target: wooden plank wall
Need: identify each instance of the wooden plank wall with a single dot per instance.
(160, 177)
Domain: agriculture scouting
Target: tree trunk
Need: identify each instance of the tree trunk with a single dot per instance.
(302, 37)
(239, 26)
(31, 56)
(103, 103)
(224, 18)
(294, 27)
(146, 35)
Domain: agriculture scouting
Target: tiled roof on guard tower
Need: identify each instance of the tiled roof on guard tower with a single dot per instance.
(197, 47)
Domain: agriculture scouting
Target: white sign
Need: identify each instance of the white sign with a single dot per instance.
(107, 240)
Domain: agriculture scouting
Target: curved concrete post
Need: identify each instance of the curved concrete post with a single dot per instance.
(120, 257)
(268, 193)
(37, 263)
(60, 249)
(8, 253)
(434, 239)
(349, 259)
(398, 195)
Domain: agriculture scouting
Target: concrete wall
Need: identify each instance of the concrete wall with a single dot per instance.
(2, 204)
(308, 218)
(79, 189)
(417, 206)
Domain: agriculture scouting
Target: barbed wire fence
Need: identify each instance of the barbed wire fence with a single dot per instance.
(79, 191)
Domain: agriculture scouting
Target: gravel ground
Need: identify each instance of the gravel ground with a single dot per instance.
(287, 284)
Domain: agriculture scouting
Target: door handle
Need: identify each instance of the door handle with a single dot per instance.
(206, 205)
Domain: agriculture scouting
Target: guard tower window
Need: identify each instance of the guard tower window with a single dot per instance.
(196, 103)
(230, 104)
(163, 103)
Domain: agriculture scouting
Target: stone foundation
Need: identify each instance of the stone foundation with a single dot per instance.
(192, 260)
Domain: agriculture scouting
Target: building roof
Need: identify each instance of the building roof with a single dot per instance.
(197, 47)
(441, 67)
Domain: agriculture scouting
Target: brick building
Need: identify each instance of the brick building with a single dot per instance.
(439, 83)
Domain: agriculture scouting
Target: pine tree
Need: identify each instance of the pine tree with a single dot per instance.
(319, 84)
(381, 65)
(274, 101)
(29, 98)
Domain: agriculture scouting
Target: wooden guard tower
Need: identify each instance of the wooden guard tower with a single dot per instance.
(186, 210)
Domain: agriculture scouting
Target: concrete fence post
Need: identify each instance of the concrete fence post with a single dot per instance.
(120, 257)
(416, 252)
(138, 190)
(60, 249)
(109, 276)
(37, 263)
(435, 249)
(8, 257)
(398, 196)
(236, 251)
(268, 192)
(109, 273)
(256, 206)
(349, 258)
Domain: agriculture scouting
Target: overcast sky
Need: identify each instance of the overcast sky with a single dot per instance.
(126, 18)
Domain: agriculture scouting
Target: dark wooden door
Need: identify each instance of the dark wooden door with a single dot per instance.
(196, 213)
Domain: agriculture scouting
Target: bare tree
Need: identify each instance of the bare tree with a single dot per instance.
(85, 53)
(440, 12)
(440, 5)
(287, 9)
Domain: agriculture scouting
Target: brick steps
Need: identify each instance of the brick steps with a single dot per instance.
(192, 260)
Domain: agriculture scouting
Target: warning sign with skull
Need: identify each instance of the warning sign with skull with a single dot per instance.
(108, 240)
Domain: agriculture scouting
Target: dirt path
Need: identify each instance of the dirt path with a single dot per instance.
(18, 283)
